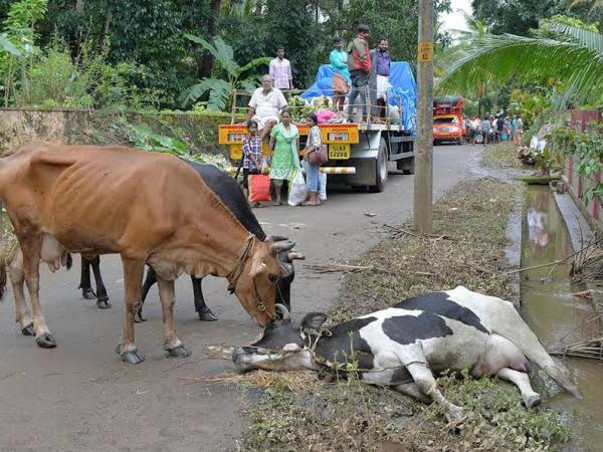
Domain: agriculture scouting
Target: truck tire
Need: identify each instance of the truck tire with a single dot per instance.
(407, 166)
(381, 168)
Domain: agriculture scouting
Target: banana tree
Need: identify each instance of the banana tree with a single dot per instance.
(221, 90)
(574, 57)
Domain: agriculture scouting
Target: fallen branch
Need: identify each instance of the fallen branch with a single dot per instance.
(591, 349)
(329, 268)
(399, 230)
(548, 264)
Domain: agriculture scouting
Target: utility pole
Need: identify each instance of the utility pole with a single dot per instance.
(423, 197)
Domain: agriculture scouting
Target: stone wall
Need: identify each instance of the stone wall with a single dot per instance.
(22, 126)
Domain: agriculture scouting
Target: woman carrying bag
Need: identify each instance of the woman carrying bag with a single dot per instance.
(285, 160)
(314, 156)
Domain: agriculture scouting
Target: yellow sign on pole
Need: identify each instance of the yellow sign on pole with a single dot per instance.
(425, 51)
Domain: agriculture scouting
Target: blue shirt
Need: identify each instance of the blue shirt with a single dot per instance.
(339, 63)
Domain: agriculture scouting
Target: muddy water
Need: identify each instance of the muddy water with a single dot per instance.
(557, 317)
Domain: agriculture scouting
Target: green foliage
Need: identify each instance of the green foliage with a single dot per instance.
(515, 16)
(65, 88)
(220, 90)
(576, 61)
(143, 137)
(586, 148)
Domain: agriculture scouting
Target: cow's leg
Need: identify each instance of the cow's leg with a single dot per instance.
(205, 314)
(102, 300)
(85, 284)
(522, 381)
(133, 271)
(31, 248)
(150, 279)
(17, 280)
(426, 382)
(167, 295)
(412, 390)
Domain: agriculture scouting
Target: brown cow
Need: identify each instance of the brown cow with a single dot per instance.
(149, 208)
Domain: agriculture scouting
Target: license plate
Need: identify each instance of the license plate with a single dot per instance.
(236, 151)
(339, 151)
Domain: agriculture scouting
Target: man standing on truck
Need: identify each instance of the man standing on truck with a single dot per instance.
(359, 63)
(380, 67)
(265, 106)
(280, 71)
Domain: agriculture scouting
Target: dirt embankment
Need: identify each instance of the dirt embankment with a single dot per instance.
(298, 411)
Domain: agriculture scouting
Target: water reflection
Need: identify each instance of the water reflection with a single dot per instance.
(554, 314)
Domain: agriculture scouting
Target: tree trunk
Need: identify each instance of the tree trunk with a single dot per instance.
(205, 66)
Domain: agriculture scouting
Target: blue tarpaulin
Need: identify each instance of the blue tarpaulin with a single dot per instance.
(402, 93)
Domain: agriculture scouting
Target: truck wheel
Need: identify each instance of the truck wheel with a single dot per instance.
(381, 168)
(407, 166)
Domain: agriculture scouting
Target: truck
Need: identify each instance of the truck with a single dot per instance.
(448, 122)
(359, 153)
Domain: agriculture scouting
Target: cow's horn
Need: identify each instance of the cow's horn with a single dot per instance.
(275, 238)
(295, 255)
(283, 311)
(281, 247)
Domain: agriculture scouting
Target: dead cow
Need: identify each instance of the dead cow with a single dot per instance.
(403, 346)
(149, 208)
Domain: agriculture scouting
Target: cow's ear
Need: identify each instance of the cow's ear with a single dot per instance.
(257, 266)
(313, 321)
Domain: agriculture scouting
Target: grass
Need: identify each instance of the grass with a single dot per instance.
(501, 155)
(467, 248)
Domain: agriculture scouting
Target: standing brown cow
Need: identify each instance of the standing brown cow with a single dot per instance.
(149, 208)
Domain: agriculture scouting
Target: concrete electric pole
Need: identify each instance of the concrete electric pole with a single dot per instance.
(423, 198)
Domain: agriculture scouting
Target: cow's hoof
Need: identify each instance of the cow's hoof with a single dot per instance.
(28, 330)
(132, 357)
(103, 304)
(455, 416)
(533, 401)
(103, 297)
(88, 294)
(179, 352)
(138, 318)
(207, 316)
(46, 341)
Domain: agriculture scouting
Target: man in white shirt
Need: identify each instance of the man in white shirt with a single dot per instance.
(280, 71)
(265, 106)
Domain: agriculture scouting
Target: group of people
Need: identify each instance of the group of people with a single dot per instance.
(358, 71)
(497, 128)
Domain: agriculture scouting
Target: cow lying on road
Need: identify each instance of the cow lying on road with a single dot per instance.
(401, 346)
(149, 208)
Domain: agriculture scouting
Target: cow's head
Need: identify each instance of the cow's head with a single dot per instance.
(285, 258)
(282, 346)
(257, 285)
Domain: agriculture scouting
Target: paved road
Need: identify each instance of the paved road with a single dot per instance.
(81, 397)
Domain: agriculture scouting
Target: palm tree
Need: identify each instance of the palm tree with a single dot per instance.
(575, 57)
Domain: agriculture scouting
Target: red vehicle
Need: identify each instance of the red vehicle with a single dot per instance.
(448, 122)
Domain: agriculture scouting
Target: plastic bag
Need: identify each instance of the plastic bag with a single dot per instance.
(298, 191)
(322, 187)
(259, 188)
(265, 166)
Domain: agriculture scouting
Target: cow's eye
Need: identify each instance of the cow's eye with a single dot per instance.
(273, 278)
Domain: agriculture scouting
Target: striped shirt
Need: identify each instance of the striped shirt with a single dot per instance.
(252, 147)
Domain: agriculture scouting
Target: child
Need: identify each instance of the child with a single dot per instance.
(252, 156)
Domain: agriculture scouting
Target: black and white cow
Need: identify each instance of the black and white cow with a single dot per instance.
(403, 346)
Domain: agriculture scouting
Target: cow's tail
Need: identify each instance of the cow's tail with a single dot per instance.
(8, 248)
(523, 337)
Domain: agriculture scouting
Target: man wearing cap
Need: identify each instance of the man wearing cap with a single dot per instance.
(359, 64)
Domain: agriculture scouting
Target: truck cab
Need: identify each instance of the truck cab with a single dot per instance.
(448, 120)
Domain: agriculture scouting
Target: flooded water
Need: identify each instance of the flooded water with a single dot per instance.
(556, 316)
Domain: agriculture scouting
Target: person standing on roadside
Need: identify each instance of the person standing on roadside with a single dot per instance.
(380, 67)
(280, 71)
(341, 77)
(517, 130)
(359, 64)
